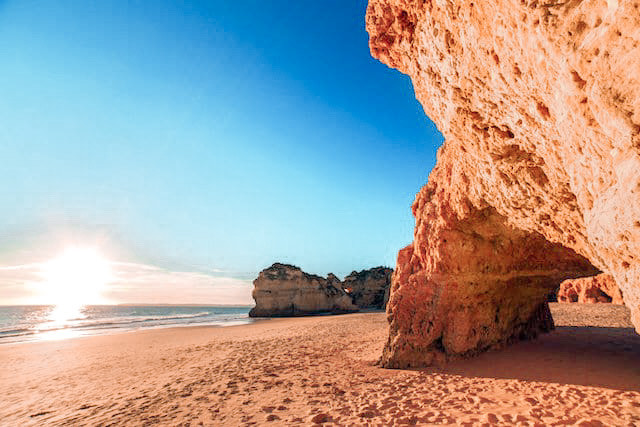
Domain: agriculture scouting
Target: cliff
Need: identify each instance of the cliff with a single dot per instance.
(538, 178)
(369, 288)
(286, 290)
(600, 288)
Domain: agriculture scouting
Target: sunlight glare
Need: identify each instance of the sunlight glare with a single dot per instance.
(73, 279)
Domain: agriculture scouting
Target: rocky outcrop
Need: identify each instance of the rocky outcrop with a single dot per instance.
(539, 177)
(286, 290)
(369, 289)
(600, 288)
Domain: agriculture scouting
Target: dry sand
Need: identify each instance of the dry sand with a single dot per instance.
(299, 371)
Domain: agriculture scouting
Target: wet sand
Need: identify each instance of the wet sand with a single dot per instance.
(322, 370)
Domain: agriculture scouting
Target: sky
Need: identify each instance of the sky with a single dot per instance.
(196, 143)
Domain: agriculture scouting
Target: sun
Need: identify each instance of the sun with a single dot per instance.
(75, 278)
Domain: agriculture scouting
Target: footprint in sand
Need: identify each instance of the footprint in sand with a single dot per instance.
(367, 414)
(492, 418)
(321, 418)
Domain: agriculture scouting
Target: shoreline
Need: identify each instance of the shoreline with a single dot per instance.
(75, 333)
(46, 323)
(91, 333)
(306, 370)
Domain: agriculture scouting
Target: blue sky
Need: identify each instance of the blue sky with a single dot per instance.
(197, 136)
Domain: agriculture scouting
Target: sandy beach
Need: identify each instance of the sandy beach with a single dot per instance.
(312, 370)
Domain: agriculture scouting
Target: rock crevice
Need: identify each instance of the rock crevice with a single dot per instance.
(369, 289)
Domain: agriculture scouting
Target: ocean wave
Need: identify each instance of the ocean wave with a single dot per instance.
(15, 332)
(114, 321)
(31, 330)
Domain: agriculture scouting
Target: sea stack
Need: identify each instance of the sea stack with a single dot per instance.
(285, 290)
(369, 289)
(538, 179)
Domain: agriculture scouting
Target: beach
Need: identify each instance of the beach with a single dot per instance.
(313, 370)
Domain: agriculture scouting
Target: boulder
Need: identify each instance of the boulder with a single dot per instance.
(369, 289)
(286, 290)
(538, 180)
(600, 288)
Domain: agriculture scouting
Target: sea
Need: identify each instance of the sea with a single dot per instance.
(45, 322)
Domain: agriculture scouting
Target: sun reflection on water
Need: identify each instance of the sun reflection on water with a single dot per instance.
(61, 321)
(63, 314)
(60, 334)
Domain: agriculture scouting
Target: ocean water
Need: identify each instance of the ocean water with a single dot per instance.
(38, 323)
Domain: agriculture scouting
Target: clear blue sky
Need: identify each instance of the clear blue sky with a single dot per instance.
(218, 134)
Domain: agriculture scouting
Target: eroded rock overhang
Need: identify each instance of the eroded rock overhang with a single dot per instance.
(539, 176)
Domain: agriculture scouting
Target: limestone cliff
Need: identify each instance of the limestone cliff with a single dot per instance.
(369, 288)
(600, 288)
(539, 176)
(286, 290)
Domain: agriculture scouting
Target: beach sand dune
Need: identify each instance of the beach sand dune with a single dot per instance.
(322, 370)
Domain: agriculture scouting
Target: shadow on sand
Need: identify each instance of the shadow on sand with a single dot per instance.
(588, 356)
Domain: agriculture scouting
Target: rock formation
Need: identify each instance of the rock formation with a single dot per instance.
(600, 288)
(286, 290)
(539, 176)
(369, 288)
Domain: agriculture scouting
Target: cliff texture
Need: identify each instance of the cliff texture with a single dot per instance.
(286, 290)
(369, 288)
(600, 288)
(539, 177)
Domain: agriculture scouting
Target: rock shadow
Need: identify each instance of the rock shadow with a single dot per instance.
(587, 356)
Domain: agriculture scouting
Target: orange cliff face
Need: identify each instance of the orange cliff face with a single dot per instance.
(284, 290)
(538, 180)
